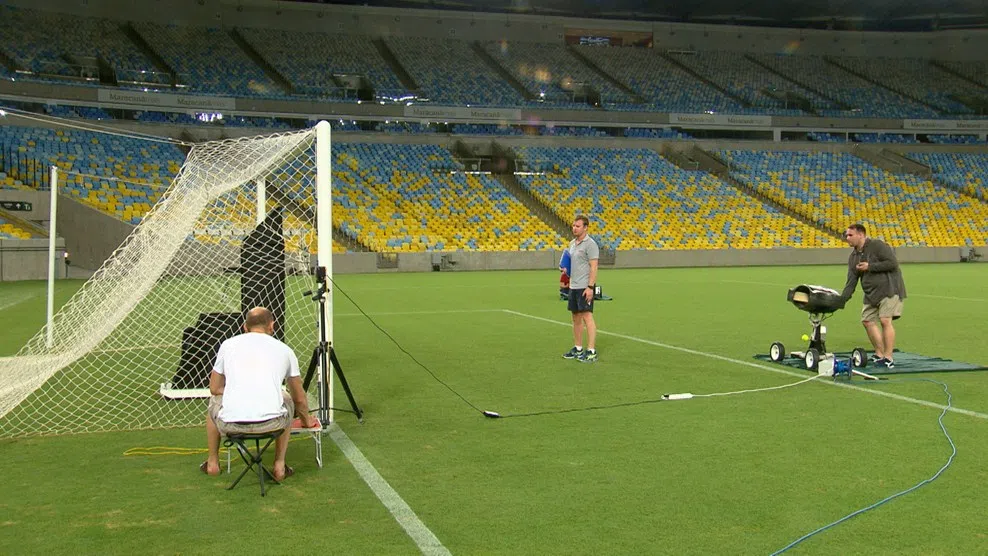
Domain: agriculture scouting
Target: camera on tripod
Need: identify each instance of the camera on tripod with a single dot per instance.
(324, 357)
(322, 284)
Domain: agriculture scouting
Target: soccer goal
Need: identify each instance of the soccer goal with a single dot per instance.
(244, 223)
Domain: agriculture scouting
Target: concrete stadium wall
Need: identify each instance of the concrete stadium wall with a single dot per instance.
(90, 235)
(351, 263)
(27, 259)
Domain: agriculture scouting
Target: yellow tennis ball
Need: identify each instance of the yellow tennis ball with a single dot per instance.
(806, 337)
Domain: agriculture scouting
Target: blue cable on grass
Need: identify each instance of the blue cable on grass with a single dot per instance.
(898, 494)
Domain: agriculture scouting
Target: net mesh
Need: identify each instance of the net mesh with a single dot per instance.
(123, 353)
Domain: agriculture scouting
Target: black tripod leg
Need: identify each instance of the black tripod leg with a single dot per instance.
(313, 363)
(346, 387)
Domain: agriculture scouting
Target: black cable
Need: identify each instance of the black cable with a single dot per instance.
(576, 409)
(489, 414)
(406, 352)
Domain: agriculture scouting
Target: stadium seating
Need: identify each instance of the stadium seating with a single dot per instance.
(548, 71)
(208, 61)
(974, 70)
(310, 60)
(954, 139)
(663, 84)
(883, 138)
(837, 189)
(486, 129)
(448, 72)
(860, 98)
(638, 200)
(82, 112)
(403, 127)
(749, 81)
(411, 198)
(9, 230)
(38, 41)
(823, 137)
(7, 181)
(98, 164)
(573, 131)
(320, 65)
(655, 133)
(965, 172)
(919, 79)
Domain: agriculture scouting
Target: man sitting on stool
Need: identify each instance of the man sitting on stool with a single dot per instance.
(247, 393)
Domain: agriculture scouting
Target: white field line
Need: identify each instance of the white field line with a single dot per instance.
(423, 537)
(760, 366)
(436, 312)
(7, 303)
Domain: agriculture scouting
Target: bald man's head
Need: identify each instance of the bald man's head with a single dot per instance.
(259, 319)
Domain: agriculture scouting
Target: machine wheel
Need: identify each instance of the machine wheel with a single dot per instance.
(777, 352)
(859, 358)
(811, 359)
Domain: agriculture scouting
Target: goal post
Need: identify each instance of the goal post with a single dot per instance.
(242, 224)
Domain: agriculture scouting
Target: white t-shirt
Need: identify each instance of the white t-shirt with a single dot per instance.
(255, 365)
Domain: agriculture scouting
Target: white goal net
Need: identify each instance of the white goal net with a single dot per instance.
(241, 225)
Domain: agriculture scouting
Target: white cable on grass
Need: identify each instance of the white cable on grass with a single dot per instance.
(814, 377)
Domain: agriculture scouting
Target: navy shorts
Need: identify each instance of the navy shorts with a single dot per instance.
(578, 302)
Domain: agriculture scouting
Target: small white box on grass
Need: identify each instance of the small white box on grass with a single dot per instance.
(826, 365)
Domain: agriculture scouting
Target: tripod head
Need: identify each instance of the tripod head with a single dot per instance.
(322, 285)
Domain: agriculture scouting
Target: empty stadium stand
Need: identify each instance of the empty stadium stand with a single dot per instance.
(636, 199)
(837, 189)
(853, 95)
(966, 172)
(449, 72)
(414, 198)
(120, 176)
(9, 230)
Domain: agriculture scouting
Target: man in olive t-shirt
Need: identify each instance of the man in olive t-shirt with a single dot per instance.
(873, 263)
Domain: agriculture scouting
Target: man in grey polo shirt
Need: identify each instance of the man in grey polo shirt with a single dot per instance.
(873, 263)
(583, 253)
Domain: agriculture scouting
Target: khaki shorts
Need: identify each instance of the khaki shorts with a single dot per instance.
(890, 307)
(283, 422)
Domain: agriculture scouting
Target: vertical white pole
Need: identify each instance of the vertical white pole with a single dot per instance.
(261, 200)
(52, 211)
(324, 230)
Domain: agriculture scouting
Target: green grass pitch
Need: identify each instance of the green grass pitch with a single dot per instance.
(742, 474)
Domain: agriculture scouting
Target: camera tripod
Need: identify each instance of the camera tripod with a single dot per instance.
(324, 356)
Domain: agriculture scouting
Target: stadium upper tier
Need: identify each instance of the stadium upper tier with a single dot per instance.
(552, 74)
(761, 90)
(853, 95)
(837, 189)
(70, 46)
(279, 64)
(636, 199)
(448, 71)
(919, 80)
(208, 60)
(317, 64)
(664, 85)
